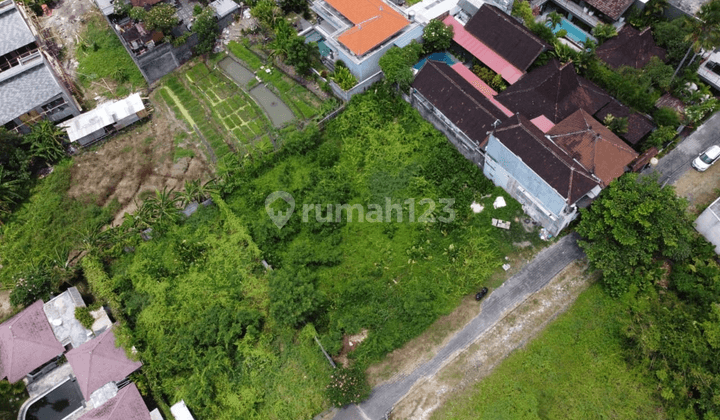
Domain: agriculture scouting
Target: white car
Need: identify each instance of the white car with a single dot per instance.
(706, 158)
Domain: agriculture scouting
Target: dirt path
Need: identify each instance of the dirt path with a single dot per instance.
(131, 165)
(699, 188)
(514, 331)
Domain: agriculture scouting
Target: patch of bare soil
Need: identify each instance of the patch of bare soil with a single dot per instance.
(137, 162)
(6, 308)
(350, 343)
(699, 188)
(66, 23)
(512, 332)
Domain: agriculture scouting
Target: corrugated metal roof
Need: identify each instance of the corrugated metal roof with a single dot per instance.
(103, 115)
(224, 7)
(482, 52)
(180, 411)
(14, 32)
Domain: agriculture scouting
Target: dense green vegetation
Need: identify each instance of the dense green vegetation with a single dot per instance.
(213, 327)
(101, 55)
(11, 398)
(640, 237)
(574, 369)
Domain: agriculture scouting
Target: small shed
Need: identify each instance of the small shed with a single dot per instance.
(26, 343)
(106, 118)
(225, 10)
(708, 224)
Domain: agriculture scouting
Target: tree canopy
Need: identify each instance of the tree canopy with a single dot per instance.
(397, 64)
(633, 224)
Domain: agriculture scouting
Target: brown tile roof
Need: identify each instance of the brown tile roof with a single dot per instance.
(551, 162)
(593, 145)
(630, 48)
(128, 404)
(457, 99)
(611, 8)
(26, 343)
(638, 125)
(555, 91)
(506, 36)
(374, 23)
(98, 362)
(669, 101)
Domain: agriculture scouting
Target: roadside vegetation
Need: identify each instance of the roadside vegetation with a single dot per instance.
(575, 367)
(104, 62)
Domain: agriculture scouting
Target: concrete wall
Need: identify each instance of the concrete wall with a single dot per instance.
(462, 143)
(361, 87)
(539, 200)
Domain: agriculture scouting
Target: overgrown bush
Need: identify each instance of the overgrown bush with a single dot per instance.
(82, 314)
(665, 116)
(31, 286)
(347, 386)
(660, 137)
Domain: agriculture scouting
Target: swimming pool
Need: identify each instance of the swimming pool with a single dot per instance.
(57, 404)
(573, 32)
(439, 56)
(314, 36)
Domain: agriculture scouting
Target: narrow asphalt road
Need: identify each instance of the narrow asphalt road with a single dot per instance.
(673, 165)
(535, 275)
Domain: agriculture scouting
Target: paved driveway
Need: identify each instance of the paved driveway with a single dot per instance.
(673, 165)
(546, 265)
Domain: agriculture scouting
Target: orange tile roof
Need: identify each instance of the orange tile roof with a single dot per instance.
(374, 22)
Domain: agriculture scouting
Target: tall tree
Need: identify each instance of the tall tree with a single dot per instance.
(437, 36)
(632, 224)
(704, 31)
(397, 64)
(554, 18)
(161, 17)
(603, 32)
(206, 26)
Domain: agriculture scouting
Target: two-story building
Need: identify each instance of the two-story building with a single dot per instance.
(29, 87)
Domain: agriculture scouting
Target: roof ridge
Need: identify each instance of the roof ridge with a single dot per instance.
(517, 24)
(117, 403)
(457, 86)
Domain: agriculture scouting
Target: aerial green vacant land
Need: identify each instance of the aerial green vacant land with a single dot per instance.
(575, 369)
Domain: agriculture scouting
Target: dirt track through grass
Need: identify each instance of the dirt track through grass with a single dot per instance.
(180, 106)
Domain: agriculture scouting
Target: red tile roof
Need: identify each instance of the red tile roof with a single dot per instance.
(543, 123)
(126, 405)
(611, 8)
(26, 343)
(630, 48)
(98, 362)
(551, 162)
(481, 86)
(593, 145)
(482, 52)
(375, 22)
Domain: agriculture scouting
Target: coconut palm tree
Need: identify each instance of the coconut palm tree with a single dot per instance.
(162, 207)
(704, 31)
(555, 19)
(603, 32)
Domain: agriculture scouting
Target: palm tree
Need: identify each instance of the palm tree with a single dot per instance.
(563, 52)
(162, 207)
(555, 19)
(655, 7)
(46, 141)
(704, 31)
(603, 32)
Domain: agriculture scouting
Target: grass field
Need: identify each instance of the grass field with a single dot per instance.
(574, 369)
(102, 56)
(226, 117)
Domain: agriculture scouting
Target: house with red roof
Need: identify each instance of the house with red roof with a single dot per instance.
(27, 342)
(555, 173)
(359, 32)
(100, 361)
(499, 41)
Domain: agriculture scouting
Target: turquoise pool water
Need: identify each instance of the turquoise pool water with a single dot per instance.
(573, 32)
(440, 56)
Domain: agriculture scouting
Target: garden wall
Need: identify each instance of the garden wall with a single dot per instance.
(359, 88)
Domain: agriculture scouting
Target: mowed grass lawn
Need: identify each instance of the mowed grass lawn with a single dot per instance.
(574, 370)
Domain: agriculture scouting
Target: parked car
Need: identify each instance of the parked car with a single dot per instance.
(481, 294)
(706, 158)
